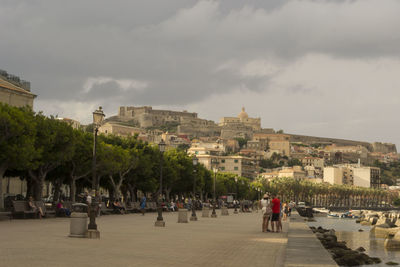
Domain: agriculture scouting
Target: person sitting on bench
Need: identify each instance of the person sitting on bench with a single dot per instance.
(118, 206)
(35, 208)
(61, 208)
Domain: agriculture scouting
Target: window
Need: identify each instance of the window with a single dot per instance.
(222, 160)
(236, 161)
(222, 168)
(236, 168)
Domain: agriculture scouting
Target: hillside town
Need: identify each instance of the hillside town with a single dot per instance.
(239, 143)
(199, 133)
(246, 149)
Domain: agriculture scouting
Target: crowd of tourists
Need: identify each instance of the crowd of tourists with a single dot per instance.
(274, 211)
(119, 205)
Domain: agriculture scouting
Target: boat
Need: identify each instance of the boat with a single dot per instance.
(349, 215)
(333, 215)
(321, 210)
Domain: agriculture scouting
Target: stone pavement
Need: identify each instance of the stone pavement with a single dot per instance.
(132, 240)
(303, 249)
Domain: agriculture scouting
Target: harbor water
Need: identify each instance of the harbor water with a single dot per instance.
(348, 230)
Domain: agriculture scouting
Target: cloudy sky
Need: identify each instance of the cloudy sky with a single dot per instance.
(324, 68)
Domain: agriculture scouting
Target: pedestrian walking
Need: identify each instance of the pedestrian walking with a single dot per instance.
(285, 210)
(265, 205)
(276, 209)
(143, 204)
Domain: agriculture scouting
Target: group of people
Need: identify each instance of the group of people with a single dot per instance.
(273, 211)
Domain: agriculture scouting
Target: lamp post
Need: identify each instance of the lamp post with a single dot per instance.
(160, 221)
(194, 217)
(98, 117)
(237, 195)
(214, 163)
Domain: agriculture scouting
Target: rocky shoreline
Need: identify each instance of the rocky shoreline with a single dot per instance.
(343, 255)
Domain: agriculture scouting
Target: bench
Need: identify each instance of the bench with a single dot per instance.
(104, 210)
(4, 214)
(46, 212)
(66, 205)
(135, 206)
(21, 207)
(151, 206)
(129, 207)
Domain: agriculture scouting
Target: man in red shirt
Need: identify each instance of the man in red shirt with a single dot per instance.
(276, 210)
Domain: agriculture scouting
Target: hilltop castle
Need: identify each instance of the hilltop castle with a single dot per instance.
(188, 123)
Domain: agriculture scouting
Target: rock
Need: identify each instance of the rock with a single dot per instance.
(319, 236)
(360, 230)
(383, 225)
(376, 259)
(365, 223)
(350, 260)
(391, 263)
(361, 249)
(393, 242)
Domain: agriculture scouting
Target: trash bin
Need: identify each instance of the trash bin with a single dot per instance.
(79, 217)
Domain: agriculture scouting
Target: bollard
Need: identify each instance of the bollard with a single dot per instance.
(182, 216)
(224, 211)
(205, 211)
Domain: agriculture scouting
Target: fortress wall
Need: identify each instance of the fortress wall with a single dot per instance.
(174, 113)
(326, 140)
(384, 147)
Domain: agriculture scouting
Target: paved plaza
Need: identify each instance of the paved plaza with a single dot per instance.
(132, 240)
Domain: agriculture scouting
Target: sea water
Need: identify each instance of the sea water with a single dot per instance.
(348, 230)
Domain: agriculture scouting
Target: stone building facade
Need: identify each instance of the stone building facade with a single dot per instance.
(14, 91)
(242, 119)
(278, 143)
(118, 129)
(146, 116)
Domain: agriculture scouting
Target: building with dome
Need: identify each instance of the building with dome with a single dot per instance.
(242, 119)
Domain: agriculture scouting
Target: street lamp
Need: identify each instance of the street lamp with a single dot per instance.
(214, 163)
(194, 217)
(98, 117)
(160, 221)
(237, 195)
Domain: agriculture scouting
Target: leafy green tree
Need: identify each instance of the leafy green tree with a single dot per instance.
(80, 165)
(17, 137)
(116, 162)
(54, 145)
(268, 164)
(242, 142)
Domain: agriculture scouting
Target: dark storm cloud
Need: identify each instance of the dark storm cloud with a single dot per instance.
(185, 53)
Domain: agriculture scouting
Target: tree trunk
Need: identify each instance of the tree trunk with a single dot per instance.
(38, 190)
(167, 193)
(73, 189)
(132, 193)
(57, 191)
(38, 176)
(3, 168)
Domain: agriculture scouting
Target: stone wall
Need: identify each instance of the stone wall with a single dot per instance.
(384, 147)
(325, 140)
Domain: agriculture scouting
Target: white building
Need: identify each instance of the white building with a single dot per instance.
(353, 174)
(242, 166)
